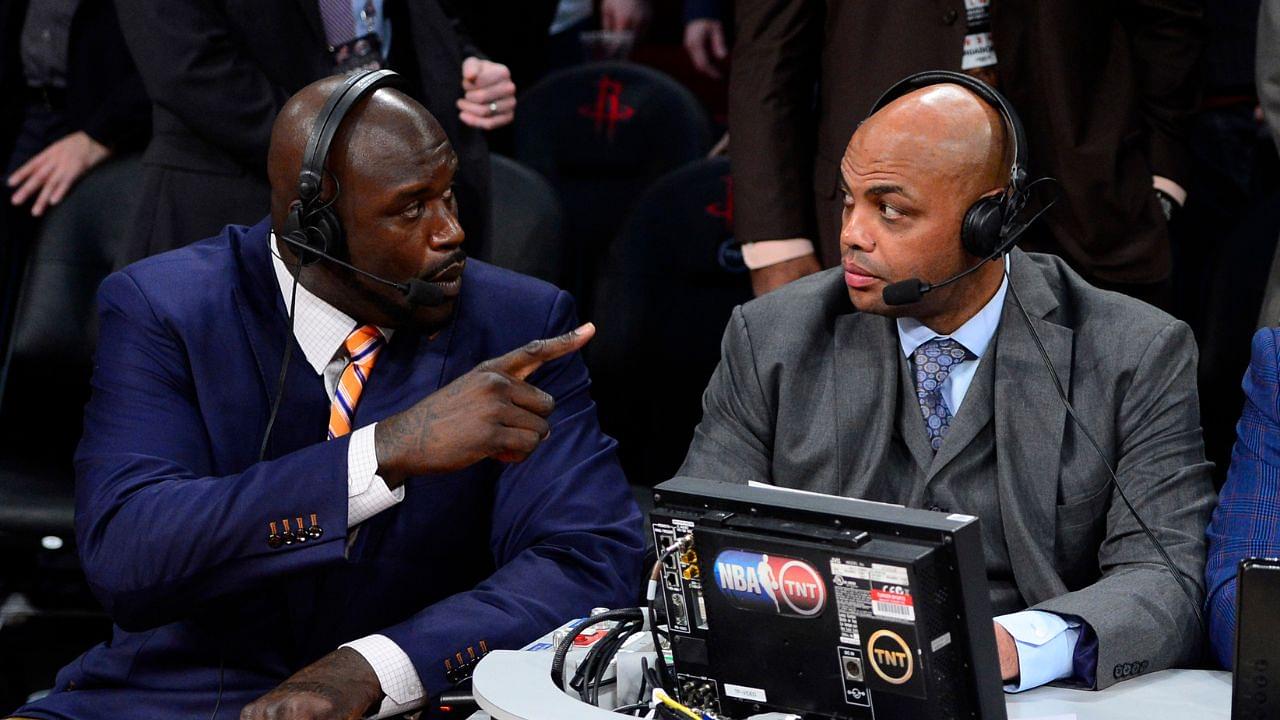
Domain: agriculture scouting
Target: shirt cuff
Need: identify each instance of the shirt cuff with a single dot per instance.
(1170, 188)
(396, 674)
(367, 492)
(1046, 646)
(763, 253)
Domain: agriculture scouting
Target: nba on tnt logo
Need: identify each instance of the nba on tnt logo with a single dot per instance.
(770, 583)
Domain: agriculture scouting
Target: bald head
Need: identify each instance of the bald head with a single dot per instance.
(946, 130)
(911, 172)
(383, 125)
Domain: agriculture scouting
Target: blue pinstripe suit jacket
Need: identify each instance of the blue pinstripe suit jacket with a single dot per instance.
(1247, 521)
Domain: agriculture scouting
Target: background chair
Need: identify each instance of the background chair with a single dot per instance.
(527, 224)
(663, 297)
(600, 134)
(45, 607)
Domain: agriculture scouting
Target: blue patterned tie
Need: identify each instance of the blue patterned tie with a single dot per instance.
(933, 362)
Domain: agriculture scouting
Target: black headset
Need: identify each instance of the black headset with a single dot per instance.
(985, 231)
(311, 224)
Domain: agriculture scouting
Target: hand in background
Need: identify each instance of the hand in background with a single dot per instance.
(624, 14)
(49, 176)
(772, 277)
(339, 686)
(705, 43)
(490, 95)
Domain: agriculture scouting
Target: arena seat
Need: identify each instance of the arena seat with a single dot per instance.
(663, 296)
(601, 133)
(527, 227)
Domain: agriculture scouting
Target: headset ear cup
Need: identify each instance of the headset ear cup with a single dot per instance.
(328, 231)
(980, 231)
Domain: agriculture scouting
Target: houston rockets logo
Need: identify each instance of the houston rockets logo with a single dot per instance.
(608, 109)
(890, 657)
(770, 583)
(724, 210)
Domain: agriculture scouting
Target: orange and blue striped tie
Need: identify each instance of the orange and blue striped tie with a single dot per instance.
(363, 345)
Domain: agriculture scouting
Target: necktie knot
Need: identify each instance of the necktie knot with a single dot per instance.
(363, 342)
(934, 360)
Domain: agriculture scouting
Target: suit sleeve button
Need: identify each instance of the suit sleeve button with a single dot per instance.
(274, 540)
(314, 532)
(288, 537)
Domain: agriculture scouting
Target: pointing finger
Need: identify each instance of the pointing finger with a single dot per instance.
(523, 361)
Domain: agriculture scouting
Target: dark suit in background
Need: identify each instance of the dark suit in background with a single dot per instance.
(104, 95)
(1102, 86)
(218, 71)
(512, 33)
(813, 395)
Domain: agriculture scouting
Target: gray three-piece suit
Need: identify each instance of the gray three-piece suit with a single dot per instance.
(812, 394)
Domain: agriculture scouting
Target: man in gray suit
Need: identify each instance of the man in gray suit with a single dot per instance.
(946, 404)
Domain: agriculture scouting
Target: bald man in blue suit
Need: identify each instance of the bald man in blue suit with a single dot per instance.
(474, 505)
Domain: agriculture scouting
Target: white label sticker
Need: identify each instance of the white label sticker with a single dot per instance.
(839, 567)
(958, 517)
(682, 523)
(979, 51)
(745, 693)
(941, 641)
(889, 574)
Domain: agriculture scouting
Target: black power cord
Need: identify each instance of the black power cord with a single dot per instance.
(590, 674)
(1115, 481)
(621, 615)
(284, 363)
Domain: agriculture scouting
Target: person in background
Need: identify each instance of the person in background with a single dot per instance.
(218, 71)
(1246, 522)
(705, 39)
(1268, 83)
(72, 98)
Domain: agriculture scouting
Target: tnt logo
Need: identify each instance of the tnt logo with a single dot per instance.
(890, 657)
(608, 109)
(770, 583)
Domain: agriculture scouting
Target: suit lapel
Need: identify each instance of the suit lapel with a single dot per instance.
(1029, 425)
(866, 367)
(263, 316)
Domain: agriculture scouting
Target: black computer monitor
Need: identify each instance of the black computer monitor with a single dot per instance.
(824, 607)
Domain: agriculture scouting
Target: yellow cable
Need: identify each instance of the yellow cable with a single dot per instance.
(667, 700)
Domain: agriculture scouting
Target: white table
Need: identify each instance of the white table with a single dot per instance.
(516, 685)
(1167, 695)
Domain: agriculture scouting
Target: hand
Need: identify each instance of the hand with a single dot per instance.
(491, 412)
(338, 686)
(704, 41)
(772, 277)
(490, 96)
(624, 14)
(1008, 649)
(55, 170)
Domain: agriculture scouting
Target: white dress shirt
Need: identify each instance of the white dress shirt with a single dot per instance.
(1046, 642)
(321, 330)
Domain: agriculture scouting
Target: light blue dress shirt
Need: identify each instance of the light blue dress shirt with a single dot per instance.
(1046, 642)
(366, 22)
